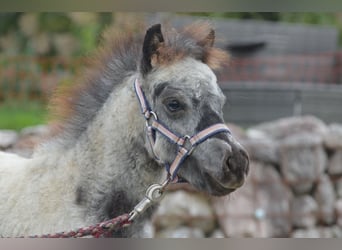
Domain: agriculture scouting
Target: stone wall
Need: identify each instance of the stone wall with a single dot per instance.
(294, 188)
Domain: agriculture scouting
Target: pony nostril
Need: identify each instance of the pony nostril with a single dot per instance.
(237, 163)
(227, 164)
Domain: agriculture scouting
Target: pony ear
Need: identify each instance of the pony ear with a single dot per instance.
(209, 40)
(152, 41)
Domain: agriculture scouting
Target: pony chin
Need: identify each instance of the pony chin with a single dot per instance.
(210, 185)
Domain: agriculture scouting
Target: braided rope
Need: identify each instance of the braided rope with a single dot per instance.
(99, 230)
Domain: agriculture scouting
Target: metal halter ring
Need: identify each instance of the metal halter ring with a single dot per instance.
(153, 195)
(149, 116)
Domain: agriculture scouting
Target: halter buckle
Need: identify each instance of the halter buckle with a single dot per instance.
(187, 145)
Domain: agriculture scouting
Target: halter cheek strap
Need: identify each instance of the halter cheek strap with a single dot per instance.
(185, 144)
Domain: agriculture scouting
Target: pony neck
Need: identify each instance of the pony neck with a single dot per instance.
(110, 155)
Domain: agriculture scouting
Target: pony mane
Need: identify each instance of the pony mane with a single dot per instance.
(118, 57)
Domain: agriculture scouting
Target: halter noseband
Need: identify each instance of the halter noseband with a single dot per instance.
(186, 144)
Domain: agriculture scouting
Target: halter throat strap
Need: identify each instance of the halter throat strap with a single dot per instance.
(185, 143)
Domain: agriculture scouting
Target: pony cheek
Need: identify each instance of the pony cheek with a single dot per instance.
(164, 151)
(149, 149)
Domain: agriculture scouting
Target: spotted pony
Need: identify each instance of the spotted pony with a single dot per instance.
(106, 151)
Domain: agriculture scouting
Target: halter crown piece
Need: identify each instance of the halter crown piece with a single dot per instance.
(185, 144)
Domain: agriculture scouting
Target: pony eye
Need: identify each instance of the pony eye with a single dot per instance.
(173, 105)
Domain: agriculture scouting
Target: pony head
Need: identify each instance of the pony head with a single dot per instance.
(177, 78)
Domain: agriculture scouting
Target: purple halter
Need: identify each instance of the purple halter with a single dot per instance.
(186, 144)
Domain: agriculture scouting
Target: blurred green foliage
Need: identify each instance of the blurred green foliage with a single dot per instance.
(85, 33)
(18, 114)
(54, 22)
(8, 21)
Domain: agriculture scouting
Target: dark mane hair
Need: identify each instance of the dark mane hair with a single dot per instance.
(117, 58)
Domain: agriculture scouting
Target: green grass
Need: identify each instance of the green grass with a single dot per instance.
(19, 114)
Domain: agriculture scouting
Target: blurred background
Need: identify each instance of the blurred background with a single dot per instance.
(284, 103)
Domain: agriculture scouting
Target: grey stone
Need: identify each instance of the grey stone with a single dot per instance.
(217, 234)
(285, 127)
(336, 231)
(148, 230)
(30, 137)
(273, 197)
(276, 201)
(38, 130)
(304, 211)
(338, 209)
(325, 197)
(181, 208)
(318, 232)
(303, 139)
(262, 149)
(306, 233)
(180, 232)
(7, 138)
(237, 131)
(259, 209)
(302, 161)
(235, 212)
(335, 163)
(333, 136)
(338, 188)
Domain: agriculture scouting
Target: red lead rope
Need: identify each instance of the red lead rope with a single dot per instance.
(105, 229)
(99, 230)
